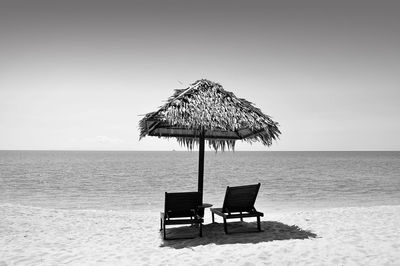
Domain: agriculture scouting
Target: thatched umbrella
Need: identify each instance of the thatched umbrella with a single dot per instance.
(205, 111)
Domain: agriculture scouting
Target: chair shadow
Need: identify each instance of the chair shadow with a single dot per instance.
(239, 233)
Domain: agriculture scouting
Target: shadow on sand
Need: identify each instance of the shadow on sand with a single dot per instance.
(239, 233)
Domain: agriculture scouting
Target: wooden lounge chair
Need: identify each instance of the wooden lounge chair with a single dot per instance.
(181, 208)
(239, 203)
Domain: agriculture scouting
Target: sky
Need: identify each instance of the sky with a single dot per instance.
(77, 75)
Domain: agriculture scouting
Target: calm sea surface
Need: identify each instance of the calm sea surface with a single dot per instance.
(138, 180)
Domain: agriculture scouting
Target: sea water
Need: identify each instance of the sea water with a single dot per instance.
(135, 180)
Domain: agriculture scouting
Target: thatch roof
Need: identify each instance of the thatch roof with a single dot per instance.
(205, 107)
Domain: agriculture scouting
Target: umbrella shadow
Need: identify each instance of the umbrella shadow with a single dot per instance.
(239, 233)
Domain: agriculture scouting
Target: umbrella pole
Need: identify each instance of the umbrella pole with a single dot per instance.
(201, 165)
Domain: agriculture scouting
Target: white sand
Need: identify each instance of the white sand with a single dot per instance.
(345, 236)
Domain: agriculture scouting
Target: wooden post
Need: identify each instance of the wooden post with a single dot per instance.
(201, 164)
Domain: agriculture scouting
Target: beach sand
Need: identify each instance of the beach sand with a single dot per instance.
(340, 236)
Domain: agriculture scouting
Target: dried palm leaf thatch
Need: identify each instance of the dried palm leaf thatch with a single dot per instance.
(206, 108)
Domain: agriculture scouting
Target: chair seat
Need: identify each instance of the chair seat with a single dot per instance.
(219, 212)
(170, 221)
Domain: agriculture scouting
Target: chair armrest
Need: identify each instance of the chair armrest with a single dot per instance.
(164, 215)
(218, 211)
(204, 205)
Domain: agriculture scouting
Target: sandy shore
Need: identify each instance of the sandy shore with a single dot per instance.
(341, 236)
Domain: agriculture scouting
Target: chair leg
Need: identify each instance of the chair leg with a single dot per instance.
(201, 230)
(225, 227)
(165, 233)
(160, 224)
(212, 216)
(258, 223)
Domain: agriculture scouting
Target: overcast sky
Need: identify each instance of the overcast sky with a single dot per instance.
(77, 74)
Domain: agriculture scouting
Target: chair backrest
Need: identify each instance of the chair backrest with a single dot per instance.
(240, 198)
(181, 204)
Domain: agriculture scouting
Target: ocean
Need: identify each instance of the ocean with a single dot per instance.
(137, 180)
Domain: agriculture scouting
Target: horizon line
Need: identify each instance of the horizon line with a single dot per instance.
(91, 150)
